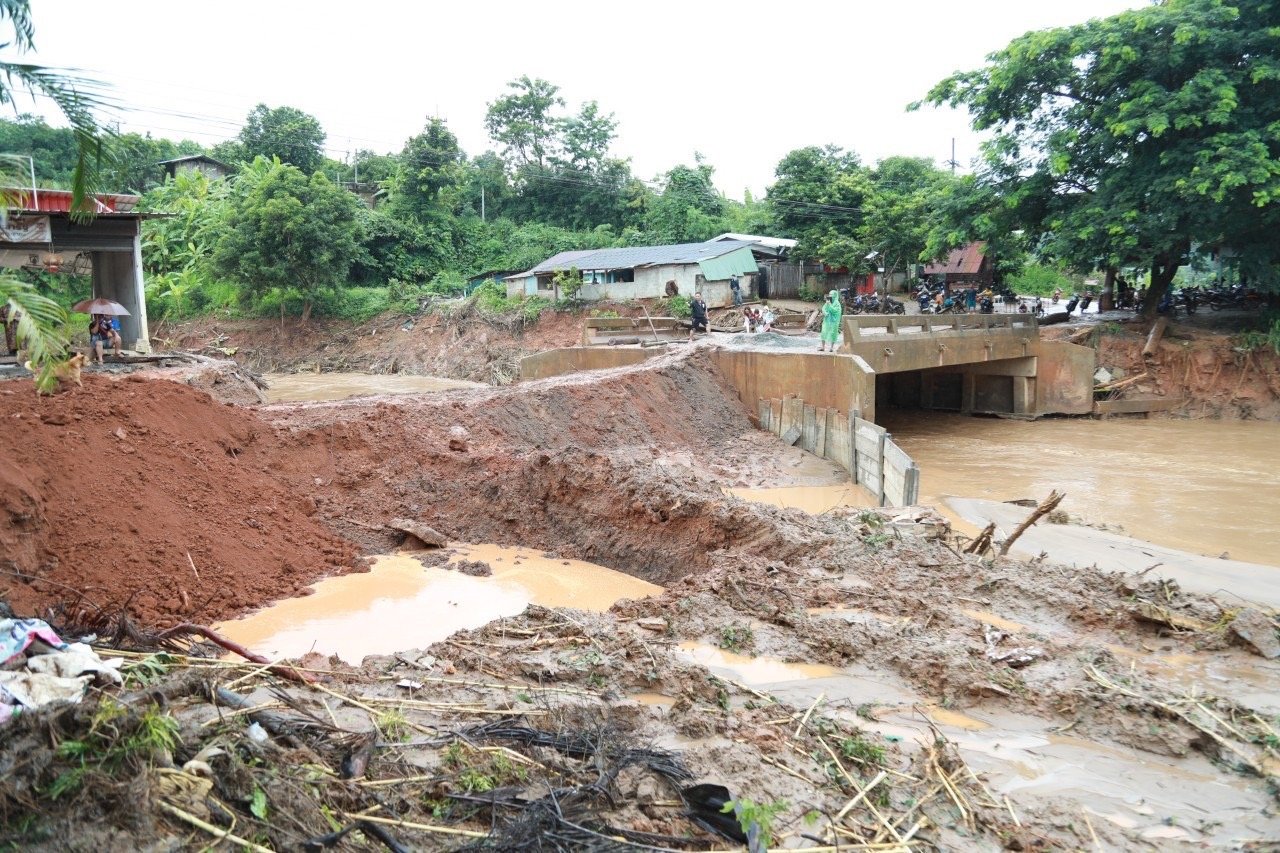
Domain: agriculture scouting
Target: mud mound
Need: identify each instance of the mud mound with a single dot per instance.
(149, 491)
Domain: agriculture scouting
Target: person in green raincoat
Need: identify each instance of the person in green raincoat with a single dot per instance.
(831, 312)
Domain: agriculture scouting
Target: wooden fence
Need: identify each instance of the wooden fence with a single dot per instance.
(862, 448)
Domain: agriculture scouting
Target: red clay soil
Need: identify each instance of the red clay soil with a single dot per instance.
(105, 490)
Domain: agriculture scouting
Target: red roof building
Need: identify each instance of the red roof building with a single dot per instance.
(967, 265)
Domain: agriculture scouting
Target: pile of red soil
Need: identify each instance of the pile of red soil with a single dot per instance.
(149, 492)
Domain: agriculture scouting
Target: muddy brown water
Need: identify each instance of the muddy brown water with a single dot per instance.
(301, 387)
(1203, 486)
(401, 604)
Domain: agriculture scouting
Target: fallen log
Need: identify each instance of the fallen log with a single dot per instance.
(1122, 383)
(187, 628)
(1047, 506)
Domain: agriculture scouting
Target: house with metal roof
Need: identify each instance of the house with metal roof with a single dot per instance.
(40, 233)
(212, 168)
(967, 265)
(644, 271)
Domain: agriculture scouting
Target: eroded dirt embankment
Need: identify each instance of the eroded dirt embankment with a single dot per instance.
(149, 492)
(1208, 370)
(581, 466)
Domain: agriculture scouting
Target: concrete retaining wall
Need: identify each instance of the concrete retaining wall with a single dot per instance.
(570, 360)
(825, 380)
(863, 449)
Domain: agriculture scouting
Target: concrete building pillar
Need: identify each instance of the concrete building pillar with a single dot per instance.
(968, 392)
(118, 276)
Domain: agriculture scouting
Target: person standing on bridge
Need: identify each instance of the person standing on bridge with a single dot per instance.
(831, 312)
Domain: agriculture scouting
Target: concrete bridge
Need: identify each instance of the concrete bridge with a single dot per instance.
(992, 364)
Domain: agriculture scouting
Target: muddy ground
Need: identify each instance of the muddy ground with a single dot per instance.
(570, 729)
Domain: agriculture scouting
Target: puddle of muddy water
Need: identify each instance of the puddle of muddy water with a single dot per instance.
(753, 670)
(401, 604)
(299, 387)
(1206, 487)
(814, 500)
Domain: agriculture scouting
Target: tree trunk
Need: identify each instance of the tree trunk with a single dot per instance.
(1163, 268)
(1107, 301)
(306, 313)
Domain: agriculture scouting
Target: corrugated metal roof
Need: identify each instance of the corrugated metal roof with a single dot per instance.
(738, 262)
(768, 242)
(639, 256)
(964, 261)
(59, 201)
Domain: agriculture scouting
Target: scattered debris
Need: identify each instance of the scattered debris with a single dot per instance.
(1256, 631)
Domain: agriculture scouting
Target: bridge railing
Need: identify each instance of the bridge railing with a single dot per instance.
(861, 325)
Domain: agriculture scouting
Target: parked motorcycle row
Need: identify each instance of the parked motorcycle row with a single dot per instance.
(870, 303)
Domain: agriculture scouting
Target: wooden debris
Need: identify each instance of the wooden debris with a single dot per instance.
(1047, 506)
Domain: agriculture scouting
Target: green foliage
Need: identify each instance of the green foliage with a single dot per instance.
(568, 283)
(41, 329)
(119, 741)
(1254, 340)
(285, 232)
(1124, 140)
(258, 804)
(148, 670)
(284, 133)
(429, 180)
(688, 209)
(756, 817)
(1041, 280)
(737, 638)
(856, 748)
(678, 306)
(809, 294)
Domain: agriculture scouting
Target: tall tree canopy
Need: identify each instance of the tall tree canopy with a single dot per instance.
(285, 133)
(432, 170)
(1128, 139)
(286, 231)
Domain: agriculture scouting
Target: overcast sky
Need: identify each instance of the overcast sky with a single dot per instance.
(742, 83)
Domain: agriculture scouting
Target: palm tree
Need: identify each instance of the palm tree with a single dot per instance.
(41, 322)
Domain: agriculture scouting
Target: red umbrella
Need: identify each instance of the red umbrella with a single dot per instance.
(100, 306)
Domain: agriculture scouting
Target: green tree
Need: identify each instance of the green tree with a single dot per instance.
(286, 133)
(819, 198)
(1128, 139)
(431, 172)
(52, 148)
(689, 208)
(901, 212)
(522, 121)
(177, 248)
(286, 232)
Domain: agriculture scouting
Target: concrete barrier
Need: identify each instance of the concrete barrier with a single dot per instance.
(610, 331)
(573, 359)
(862, 448)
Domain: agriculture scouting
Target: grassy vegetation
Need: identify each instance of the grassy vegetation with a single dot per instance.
(1043, 280)
(737, 638)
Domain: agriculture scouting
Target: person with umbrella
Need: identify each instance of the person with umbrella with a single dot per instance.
(104, 327)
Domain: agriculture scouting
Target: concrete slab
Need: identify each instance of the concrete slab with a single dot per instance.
(1072, 545)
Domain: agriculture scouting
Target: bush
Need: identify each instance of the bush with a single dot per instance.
(808, 294)
(678, 306)
(1041, 280)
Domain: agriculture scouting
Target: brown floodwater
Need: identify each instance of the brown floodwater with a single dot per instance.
(1206, 487)
(401, 604)
(300, 387)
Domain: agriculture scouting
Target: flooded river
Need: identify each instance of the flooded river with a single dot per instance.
(296, 387)
(1206, 487)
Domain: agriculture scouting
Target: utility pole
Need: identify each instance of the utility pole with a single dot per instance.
(953, 162)
(482, 219)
